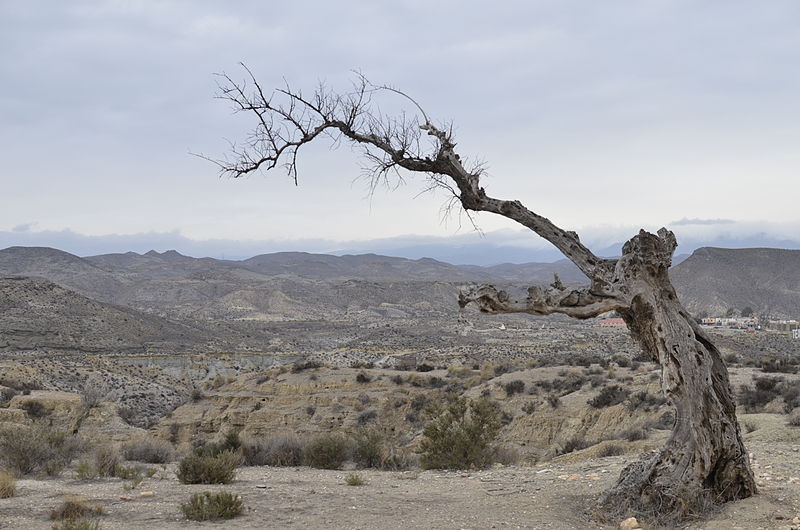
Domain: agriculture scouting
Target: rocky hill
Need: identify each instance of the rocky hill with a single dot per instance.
(36, 314)
(712, 280)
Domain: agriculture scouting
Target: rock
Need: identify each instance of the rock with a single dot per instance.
(147, 494)
(629, 524)
(261, 486)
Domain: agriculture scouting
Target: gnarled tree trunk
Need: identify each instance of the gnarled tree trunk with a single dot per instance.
(704, 459)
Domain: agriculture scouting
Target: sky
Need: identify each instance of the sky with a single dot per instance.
(605, 117)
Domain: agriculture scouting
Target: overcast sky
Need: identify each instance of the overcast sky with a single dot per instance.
(603, 116)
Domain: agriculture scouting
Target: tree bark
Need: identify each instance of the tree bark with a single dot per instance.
(704, 461)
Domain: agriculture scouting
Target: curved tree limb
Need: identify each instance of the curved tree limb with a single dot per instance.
(580, 303)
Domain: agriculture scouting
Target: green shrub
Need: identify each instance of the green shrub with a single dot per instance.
(354, 479)
(514, 387)
(459, 434)
(39, 448)
(609, 396)
(149, 450)
(208, 469)
(328, 451)
(34, 409)
(275, 451)
(8, 486)
(208, 506)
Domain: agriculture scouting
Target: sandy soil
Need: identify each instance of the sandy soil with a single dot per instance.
(551, 495)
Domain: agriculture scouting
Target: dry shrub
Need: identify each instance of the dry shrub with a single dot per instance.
(611, 449)
(208, 469)
(148, 449)
(75, 508)
(106, 460)
(354, 479)
(794, 418)
(77, 524)
(576, 443)
(39, 448)
(276, 451)
(609, 396)
(208, 506)
(8, 485)
(328, 451)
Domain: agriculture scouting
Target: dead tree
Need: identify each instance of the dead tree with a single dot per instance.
(704, 459)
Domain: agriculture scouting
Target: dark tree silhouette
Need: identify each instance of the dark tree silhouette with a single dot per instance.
(704, 459)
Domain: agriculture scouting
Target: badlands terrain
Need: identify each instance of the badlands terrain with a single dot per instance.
(294, 345)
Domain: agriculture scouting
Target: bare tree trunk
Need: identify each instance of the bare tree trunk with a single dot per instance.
(704, 459)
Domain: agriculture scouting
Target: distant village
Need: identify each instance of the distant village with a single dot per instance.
(746, 324)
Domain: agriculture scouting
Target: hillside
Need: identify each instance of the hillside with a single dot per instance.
(712, 280)
(36, 314)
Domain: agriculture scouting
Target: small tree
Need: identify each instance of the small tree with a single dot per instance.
(705, 456)
(747, 312)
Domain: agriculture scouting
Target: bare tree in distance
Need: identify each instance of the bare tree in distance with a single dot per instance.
(704, 460)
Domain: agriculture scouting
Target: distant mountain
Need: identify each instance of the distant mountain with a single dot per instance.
(712, 280)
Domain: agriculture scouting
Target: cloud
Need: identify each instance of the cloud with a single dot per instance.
(685, 221)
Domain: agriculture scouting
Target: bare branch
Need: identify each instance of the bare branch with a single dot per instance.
(582, 303)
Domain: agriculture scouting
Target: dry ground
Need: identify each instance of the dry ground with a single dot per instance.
(551, 495)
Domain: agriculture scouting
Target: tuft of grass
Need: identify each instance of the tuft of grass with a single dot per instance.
(208, 469)
(8, 485)
(208, 506)
(354, 479)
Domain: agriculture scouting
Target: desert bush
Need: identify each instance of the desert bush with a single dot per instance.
(275, 451)
(307, 365)
(612, 449)
(621, 360)
(459, 434)
(208, 506)
(645, 401)
(576, 443)
(106, 459)
(8, 485)
(363, 378)
(328, 451)
(208, 469)
(506, 455)
(6, 395)
(635, 433)
(664, 422)
(39, 448)
(529, 407)
(554, 400)
(75, 508)
(794, 418)
(609, 396)
(732, 358)
(425, 367)
(197, 395)
(77, 524)
(354, 479)
(784, 366)
(367, 416)
(397, 379)
(148, 449)
(34, 409)
(514, 387)
(94, 392)
(790, 392)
